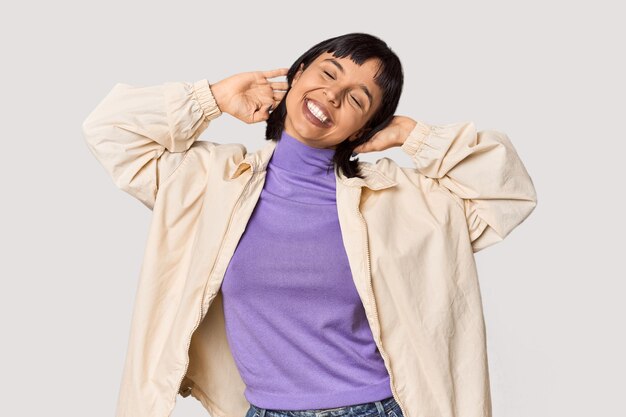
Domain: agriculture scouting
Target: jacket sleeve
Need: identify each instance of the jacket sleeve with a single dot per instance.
(141, 134)
(481, 170)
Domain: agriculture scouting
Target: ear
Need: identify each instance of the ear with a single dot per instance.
(298, 74)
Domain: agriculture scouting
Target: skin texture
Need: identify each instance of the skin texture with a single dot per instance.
(250, 96)
(324, 82)
(393, 135)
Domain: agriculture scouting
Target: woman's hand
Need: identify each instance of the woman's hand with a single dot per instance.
(249, 96)
(393, 135)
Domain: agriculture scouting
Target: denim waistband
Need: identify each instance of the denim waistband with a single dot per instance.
(380, 408)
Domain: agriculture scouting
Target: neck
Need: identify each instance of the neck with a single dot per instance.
(293, 155)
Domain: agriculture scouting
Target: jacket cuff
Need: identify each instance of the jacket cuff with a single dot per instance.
(416, 138)
(206, 99)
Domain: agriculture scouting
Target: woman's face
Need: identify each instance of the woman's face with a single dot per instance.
(336, 89)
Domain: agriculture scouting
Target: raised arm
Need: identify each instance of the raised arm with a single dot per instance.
(140, 135)
(483, 172)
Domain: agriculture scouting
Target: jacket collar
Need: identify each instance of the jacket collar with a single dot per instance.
(373, 177)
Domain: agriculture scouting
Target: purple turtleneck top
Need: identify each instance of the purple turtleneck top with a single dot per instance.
(294, 320)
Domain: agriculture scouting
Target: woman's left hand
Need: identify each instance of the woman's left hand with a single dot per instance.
(393, 135)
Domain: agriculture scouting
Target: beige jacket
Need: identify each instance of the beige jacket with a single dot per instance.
(410, 235)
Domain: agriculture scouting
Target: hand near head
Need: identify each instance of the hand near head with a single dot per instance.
(394, 134)
(250, 96)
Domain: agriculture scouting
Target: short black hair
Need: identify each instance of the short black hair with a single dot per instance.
(359, 47)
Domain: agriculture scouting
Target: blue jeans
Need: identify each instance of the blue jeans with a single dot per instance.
(387, 407)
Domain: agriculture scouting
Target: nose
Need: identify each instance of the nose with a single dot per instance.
(332, 93)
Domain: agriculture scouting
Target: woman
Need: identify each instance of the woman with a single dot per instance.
(275, 285)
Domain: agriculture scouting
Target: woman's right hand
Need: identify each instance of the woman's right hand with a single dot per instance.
(249, 95)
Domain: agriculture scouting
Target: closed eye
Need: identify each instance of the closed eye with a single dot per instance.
(355, 100)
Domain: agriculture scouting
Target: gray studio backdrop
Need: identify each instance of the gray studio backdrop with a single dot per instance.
(548, 74)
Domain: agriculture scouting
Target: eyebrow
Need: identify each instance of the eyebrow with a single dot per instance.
(363, 86)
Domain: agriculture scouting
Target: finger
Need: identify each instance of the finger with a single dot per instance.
(275, 72)
(362, 148)
(266, 111)
(279, 85)
(263, 113)
(259, 110)
(279, 95)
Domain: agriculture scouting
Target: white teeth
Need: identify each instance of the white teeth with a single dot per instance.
(316, 111)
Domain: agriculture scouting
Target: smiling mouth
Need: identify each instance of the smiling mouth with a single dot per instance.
(315, 115)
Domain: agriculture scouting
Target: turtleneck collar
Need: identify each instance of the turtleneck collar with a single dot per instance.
(292, 155)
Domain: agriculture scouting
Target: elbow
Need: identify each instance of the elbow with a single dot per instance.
(88, 135)
(87, 129)
(95, 132)
(533, 194)
(95, 119)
